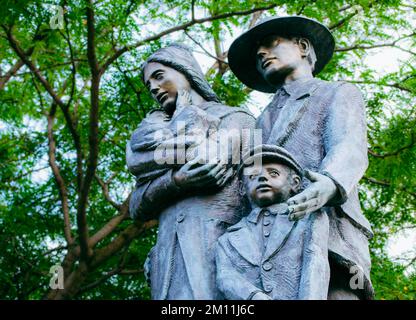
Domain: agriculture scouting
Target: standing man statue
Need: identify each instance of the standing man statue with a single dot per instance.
(195, 201)
(323, 125)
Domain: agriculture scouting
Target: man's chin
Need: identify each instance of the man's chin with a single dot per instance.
(276, 76)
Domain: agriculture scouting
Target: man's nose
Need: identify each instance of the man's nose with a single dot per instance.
(261, 53)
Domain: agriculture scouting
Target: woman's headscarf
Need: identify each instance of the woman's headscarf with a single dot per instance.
(180, 58)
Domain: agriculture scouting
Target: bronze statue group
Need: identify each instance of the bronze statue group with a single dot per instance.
(285, 221)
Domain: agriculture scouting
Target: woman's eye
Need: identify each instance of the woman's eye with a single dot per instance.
(159, 76)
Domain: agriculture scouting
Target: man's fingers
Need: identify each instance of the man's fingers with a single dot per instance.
(302, 197)
(220, 182)
(312, 176)
(220, 174)
(216, 169)
(299, 211)
(226, 177)
(305, 206)
(297, 215)
(299, 198)
(203, 169)
(196, 162)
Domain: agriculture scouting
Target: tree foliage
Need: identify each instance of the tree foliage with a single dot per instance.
(71, 94)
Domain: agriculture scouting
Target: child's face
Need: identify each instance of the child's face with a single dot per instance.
(271, 183)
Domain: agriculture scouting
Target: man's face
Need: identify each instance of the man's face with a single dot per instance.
(271, 183)
(164, 83)
(276, 58)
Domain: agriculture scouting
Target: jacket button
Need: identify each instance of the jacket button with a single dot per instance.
(180, 217)
(268, 288)
(267, 266)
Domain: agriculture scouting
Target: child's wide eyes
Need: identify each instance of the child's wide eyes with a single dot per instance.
(274, 173)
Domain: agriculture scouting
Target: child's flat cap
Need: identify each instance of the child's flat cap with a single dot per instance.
(270, 153)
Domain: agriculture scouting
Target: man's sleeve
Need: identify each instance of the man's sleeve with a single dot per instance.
(345, 140)
(243, 123)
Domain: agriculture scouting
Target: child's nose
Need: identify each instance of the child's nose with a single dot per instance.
(261, 177)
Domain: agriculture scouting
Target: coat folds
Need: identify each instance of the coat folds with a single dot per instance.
(322, 124)
(182, 263)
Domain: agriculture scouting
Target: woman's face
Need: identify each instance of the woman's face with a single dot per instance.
(164, 83)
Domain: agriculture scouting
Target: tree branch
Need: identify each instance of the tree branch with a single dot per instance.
(100, 281)
(53, 66)
(387, 184)
(4, 79)
(63, 192)
(256, 16)
(71, 53)
(392, 85)
(59, 248)
(62, 189)
(110, 226)
(108, 275)
(31, 66)
(205, 50)
(13, 70)
(341, 22)
(410, 145)
(71, 125)
(15, 178)
(193, 10)
(93, 136)
(125, 237)
(300, 11)
(412, 261)
(184, 26)
(104, 187)
(346, 7)
(380, 45)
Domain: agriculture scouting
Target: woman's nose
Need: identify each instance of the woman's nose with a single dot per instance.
(154, 89)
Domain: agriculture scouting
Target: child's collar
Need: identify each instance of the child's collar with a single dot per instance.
(275, 209)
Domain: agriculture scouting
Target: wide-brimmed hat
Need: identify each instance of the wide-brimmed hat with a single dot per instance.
(270, 153)
(242, 53)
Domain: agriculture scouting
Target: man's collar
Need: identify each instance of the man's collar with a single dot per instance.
(300, 88)
(274, 209)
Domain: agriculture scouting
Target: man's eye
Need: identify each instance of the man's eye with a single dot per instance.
(252, 176)
(274, 173)
(159, 76)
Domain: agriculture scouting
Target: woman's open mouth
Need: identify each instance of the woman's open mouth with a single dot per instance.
(161, 97)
